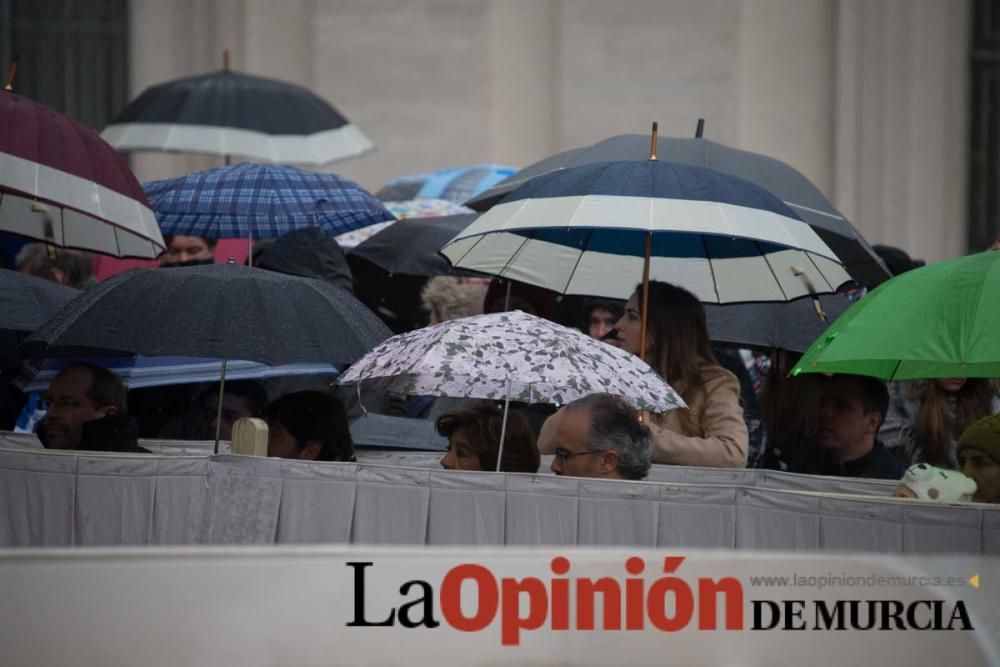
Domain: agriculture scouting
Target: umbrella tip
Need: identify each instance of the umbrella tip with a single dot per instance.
(652, 141)
(700, 130)
(225, 59)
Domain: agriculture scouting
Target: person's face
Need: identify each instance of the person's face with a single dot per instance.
(282, 445)
(186, 249)
(69, 409)
(601, 322)
(572, 456)
(233, 407)
(843, 422)
(461, 455)
(951, 385)
(984, 471)
(630, 327)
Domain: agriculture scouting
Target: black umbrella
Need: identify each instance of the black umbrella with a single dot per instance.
(775, 176)
(229, 113)
(223, 311)
(410, 247)
(26, 303)
(791, 325)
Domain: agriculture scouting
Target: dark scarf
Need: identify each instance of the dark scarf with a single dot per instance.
(113, 433)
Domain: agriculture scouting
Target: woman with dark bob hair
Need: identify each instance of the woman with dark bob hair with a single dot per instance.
(474, 440)
(711, 432)
(308, 425)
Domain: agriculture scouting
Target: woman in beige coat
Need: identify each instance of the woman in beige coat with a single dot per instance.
(711, 432)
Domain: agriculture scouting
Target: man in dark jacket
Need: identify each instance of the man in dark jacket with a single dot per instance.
(87, 410)
(852, 408)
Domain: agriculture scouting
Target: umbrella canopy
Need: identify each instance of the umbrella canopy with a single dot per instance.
(585, 230)
(455, 185)
(229, 113)
(792, 325)
(775, 176)
(261, 201)
(411, 248)
(60, 183)
(220, 311)
(27, 302)
(510, 355)
(139, 372)
(413, 208)
(937, 321)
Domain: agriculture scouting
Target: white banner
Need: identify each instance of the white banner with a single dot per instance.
(323, 606)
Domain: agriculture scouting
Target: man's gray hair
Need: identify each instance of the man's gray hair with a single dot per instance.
(615, 426)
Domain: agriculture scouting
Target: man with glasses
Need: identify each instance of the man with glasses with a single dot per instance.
(87, 409)
(598, 436)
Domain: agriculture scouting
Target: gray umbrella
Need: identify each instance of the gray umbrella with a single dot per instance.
(791, 325)
(26, 302)
(773, 175)
(222, 311)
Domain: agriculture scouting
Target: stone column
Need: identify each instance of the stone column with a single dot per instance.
(785, 84)
(523, 51)
(901, 150)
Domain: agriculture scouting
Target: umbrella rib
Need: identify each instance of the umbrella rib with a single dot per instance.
(715, 284)
(455, 264)
(579, 258)
(770, 268)
(819, 271)
(529, 237)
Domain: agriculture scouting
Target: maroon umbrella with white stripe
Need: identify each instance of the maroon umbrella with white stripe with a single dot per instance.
(62, 184)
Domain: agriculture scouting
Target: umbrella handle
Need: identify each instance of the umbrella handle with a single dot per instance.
(13, 73)
(218, 412)
(645, 295)
(503, 426)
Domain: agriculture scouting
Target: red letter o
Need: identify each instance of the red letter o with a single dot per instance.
(451, 597)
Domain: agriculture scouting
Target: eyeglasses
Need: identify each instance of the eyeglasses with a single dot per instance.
(563, 455)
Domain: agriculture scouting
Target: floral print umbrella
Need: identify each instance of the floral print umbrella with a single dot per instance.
(511, 356)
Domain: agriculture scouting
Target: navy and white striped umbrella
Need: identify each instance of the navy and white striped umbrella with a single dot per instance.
(261, 201)
(229, 113)
(584, 230)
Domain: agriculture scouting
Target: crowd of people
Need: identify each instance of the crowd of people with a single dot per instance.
(940, 438)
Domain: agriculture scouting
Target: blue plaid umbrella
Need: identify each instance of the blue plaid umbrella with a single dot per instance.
(261, 201)
(455, 185)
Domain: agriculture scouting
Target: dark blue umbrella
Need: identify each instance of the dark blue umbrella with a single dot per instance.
(595, 230)
(778, 178)
(261, 201)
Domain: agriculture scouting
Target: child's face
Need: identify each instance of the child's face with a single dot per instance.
(904, 492)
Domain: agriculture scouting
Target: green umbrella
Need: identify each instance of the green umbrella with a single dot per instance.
(939, 321)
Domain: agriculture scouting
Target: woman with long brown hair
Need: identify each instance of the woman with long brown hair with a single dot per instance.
(926, 418)
(711, 432)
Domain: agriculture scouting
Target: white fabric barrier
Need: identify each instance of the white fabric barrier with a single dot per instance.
(65, 498)
(432, 460)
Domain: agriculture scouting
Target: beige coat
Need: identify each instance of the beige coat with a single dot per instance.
(718, 436)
